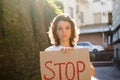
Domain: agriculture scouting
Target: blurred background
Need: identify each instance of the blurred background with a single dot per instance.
(24, 25)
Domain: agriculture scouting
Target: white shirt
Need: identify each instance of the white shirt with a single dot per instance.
(54, 48)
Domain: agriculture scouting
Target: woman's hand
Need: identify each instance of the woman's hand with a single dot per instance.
(67, 49)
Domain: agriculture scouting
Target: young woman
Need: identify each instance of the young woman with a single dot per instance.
(63, 35)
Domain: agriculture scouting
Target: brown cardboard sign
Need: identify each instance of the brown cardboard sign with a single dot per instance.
(75, 65)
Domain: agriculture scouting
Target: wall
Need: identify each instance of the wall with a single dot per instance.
(98, 7)
(91, 37)
(116, 32)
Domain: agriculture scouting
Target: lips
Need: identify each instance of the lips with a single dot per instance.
(64, 36)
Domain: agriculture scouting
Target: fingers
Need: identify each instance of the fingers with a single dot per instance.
(66, 50)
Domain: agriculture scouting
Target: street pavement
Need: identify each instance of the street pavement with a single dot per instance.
(106, 73)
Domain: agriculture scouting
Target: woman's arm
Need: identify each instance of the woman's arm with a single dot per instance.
(92, 69)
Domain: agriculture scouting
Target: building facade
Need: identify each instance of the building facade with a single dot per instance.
(92, 18)
(115, 31)
(76, 9)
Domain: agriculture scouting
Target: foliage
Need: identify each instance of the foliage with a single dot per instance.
(101, 56)
(54, 6)
(50, 11)
(23, 36)
(59, 4)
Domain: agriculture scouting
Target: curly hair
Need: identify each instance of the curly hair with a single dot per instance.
(53, 28)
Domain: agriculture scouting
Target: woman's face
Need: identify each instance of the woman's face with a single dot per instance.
(63, 31)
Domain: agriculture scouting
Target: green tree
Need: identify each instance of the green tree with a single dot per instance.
(22, 36)
(51, 9)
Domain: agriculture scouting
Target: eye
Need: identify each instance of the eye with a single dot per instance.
(68, 27)
(59, 28)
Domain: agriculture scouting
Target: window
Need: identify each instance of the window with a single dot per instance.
(86, 44)
(110, 18)
(115, 36)
(77, 9)
(102, 3)
(97, 18)
(83, 44)
(109, 39)
(119, 34)
(77, 0)
(71, 12)
(82, 17)
(114, 0)
(96, 0)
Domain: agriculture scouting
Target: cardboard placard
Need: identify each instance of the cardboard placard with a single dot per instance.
(75, 65)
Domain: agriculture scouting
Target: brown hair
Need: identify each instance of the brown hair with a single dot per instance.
(53, 28)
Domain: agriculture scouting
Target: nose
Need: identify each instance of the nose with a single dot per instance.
(64, 31)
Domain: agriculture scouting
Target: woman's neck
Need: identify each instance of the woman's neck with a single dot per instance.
(65, 44)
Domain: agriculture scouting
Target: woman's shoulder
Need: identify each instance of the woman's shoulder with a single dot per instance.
(52, 48)
(49, 48)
